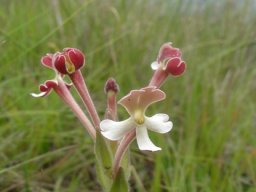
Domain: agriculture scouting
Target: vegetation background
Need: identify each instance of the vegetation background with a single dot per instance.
(212, 146)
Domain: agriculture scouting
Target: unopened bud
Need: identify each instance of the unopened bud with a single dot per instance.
(175, 66)
(111, 85)
(68, 61)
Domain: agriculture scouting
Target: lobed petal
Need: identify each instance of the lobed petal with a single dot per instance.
(141, 99)
(167, 52)
(175, 66)
(59, 62)
(76, 57)
(47, 60)
(159, 123)
(143, 139)
(115, 130)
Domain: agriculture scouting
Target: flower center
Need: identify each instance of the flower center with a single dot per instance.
(139, 117)
(70, 67)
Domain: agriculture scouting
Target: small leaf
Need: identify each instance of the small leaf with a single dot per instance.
(102, 151)
(104, 161)
(120, 183)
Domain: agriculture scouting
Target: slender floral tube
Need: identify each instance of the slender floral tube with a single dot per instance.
(158, 78)
(82, 89)
(66, 96)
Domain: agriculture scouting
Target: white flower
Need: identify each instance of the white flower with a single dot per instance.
(136, 103)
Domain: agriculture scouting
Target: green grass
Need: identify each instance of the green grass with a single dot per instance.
(212, 146)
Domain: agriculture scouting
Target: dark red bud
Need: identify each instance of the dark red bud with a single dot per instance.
(175, 66)
(75, 56)
(111, 85)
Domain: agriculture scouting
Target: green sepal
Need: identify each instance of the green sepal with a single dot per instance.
(120, 184)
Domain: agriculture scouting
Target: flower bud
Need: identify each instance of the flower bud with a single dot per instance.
(75, 56)
(68, 61)
(111, 85)
(175, 66)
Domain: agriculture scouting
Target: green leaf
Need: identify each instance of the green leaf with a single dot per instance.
(120, 183)
(104, 161)
(103, 154)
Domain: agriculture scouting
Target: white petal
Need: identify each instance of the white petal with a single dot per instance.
(159, 123)
(39, 94)
(155, 65)
(161, 117)
(143, 140)
(115, 130)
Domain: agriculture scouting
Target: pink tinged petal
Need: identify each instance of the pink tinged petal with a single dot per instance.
(76, 57)
(114, 130)
(175, 66)
(167, 52)
(159, 123)
(47, 60)
(143, 139)
(155, 65)
(141, 99)
(59, 62)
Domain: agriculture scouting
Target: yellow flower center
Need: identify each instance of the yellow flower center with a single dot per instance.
(139, 117)
(70, 67)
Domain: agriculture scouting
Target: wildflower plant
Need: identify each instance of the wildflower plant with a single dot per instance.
(112, 163)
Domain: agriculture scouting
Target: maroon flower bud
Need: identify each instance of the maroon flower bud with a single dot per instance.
(175, 66)
(111, 85)
(68, 61)
(75, 56)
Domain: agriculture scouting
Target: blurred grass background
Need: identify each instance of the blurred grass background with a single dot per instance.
(212, 146)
